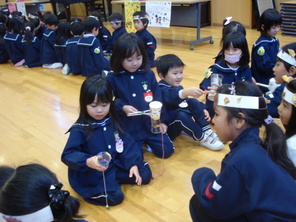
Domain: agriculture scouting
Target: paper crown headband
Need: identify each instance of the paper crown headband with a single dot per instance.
(137, 17)
(287, 94)
(287, 57)
(238, 101)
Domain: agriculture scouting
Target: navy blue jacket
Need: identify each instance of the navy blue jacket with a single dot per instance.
(81, 146)
(13, 46)
(104, 38)
(275, 100)
(229, 74)
(47, 51)
(264, 53)
(129, 89)
(150, 45)
(4, 57)
(249, 184)
(115, 35)
(92, 59)
(72, 55)
(32, 52)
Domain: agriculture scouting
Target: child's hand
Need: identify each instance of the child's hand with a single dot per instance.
(129, 109)
(192, 91)
(134, 171)
(93, 163)
(207, 116)
(163, 128)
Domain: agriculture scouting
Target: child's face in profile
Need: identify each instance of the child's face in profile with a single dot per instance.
(98, 110)
(279, 70)
(271, 33)
(285, 112)
(132, 63)
(174, 76)
(139, 26)
(115, 24)
(52, 27)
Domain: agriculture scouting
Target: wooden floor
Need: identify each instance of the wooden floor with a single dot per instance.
(39, 105)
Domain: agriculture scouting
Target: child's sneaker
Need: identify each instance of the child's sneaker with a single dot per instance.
(211, 141)
(53, 65)
(20, 63)
(66, 69)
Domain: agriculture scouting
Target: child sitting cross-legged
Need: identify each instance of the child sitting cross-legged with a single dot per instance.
(186, 115)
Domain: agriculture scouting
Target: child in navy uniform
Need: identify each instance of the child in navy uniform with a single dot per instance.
(265, 49)
(4, 57)
(91, 54)
(135, 86)
(257, 179)
(72, 50)
(233, 67)
(96, 130)
(287, 113)
(141, 23)
(185, 114)
(31, 46)
(47, 52)
(285, 65)
(42, 200)
(117, 23)
(13, 41)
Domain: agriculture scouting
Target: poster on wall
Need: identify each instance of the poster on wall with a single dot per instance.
(129, 9)
(159, 13)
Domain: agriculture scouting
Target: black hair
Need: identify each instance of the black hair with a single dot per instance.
(285, 49)
(290, 127)
(232, 26)
(29, 32)
(3, 19)
(51, 19)
(44, 16)
(75, 19)
(238, 40)
(97, 16)
(63, 32)
(90, 23)
(96, 87)
(15, 25)
(3, 31)
(77, 28)
(142, 15)
(26, 191)
(126, 45)
(165, 62)
(269, 18)
(5, 173)
(116, 17)
(276, 148)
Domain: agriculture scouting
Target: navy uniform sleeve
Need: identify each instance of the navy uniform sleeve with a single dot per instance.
(170, 96)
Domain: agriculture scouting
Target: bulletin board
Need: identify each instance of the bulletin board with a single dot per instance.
(262, 5)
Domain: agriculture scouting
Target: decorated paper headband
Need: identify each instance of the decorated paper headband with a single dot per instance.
(115, 21)
(228, 20)
(289, 96)
(43, 215)
(95, 17)
(238, 101)
(287, 57)
(137, 17)
(33, 16)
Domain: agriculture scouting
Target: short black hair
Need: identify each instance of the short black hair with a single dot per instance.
(116, 17)
(165, 62)
(90, 23)
(143, 16)
(269, 18)
(77, 28)
(51, 20)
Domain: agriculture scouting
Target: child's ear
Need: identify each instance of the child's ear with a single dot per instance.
(160, 75)
(292, 71)
(239, 123)
(262, 27)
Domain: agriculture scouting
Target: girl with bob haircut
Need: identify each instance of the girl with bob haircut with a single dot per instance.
(257, 179)
(33, 193)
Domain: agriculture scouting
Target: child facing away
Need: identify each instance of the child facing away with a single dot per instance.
(184, 114)
(32, 192)
(257, 179)
(234, 65)
(117, 23)
(4, 57)
(97, 130)
(72, 49)
(31, 46)
(13, 41)
(91, 55)
(287, 113)
(141, 23)
(285, 65)
(135, 86)
(48, 56)
(266, 47)
(63, 34)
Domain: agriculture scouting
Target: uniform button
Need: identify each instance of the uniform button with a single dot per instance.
(109, 146)
(104, 129)
(132, 77)
(134, 94)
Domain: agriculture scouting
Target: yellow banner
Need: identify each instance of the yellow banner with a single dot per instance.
(129, 9)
